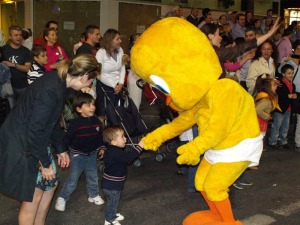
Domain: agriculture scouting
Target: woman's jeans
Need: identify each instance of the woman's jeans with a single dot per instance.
(81, 164)
(112, 203)
(280, 128)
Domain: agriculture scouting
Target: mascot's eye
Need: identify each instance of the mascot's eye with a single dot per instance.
(160, 84)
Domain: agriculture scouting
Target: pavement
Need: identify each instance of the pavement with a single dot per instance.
(155, 195)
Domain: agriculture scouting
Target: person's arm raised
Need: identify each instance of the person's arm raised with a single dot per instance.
(270, 33)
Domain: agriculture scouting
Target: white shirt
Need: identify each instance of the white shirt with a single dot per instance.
(112, 72)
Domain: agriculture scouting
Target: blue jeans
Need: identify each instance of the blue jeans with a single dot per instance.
(112, 203)
(280, 128)
(80, 164)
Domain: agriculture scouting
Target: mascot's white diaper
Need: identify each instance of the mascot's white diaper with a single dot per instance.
(247, 150)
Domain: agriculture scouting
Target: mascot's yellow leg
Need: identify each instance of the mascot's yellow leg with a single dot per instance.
(213, 181)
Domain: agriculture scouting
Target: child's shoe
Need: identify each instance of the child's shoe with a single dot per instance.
(97, 200)
(60, 204)
(120, 217)
(115, 222)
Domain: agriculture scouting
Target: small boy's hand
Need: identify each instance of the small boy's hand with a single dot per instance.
(141, 144)
(101, 153)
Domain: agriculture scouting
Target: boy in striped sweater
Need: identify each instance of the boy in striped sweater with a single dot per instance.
(116, 161)
(83, 139)
(40, 58)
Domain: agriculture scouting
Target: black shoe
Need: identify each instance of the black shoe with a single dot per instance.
(297, 149)
(273, 147)
(286, 146)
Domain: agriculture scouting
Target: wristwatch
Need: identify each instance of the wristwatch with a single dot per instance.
(15, 65)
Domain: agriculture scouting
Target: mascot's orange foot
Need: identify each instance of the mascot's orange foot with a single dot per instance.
(201, 218)
(237, 222)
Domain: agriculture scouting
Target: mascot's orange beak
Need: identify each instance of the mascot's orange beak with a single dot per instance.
(168, 100)
(171, 105)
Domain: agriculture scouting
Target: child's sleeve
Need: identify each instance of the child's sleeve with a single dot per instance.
(232, 67)
(261, 107)
(129, 156)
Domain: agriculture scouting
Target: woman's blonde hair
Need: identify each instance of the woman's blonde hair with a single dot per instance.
(82, 64)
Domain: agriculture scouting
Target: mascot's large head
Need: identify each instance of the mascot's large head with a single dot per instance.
(178, 58)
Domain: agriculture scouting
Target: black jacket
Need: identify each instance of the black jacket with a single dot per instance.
(283, 100)
(116, 161)
(25, 135)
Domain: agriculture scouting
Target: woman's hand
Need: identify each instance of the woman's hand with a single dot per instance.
(118, 88)
(47, 173)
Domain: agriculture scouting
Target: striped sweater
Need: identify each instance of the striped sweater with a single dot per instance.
(116, 161)
(84, 135)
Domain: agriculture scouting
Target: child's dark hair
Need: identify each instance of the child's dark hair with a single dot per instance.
(82, 98)
(37, 49)
(264, 84)
(110, 133)
(286, 67)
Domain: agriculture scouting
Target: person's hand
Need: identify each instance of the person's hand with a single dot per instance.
(47, 173)
(8, 63)
(141, 144)
(278, 83)
(187, 155)
(250, 54)
(294, 96)
(101, 153)
(276, 25)
(63, 160)
(151, 142)
(118, 88)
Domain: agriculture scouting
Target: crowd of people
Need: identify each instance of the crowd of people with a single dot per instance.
(262, 55)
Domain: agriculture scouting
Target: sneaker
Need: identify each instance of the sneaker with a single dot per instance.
(297, 149)
(238, 186)
(60, 204)
(115, 222)
(245, 182)
(97, 200)
(120, 217)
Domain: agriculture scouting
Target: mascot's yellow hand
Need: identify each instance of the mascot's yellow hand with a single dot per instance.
(152, 142)
(187, 155)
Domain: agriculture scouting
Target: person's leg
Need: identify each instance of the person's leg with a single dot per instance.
(75, 171)
(277, 121)
(297, 134)
(284, 128)
(90, 170)
(43, 208)
(191, 178)
(112, 202)
(29, 210)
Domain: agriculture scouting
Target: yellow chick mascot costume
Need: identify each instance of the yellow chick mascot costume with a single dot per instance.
(177, 58)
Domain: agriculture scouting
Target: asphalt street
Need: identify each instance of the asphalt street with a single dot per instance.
(154, 194)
